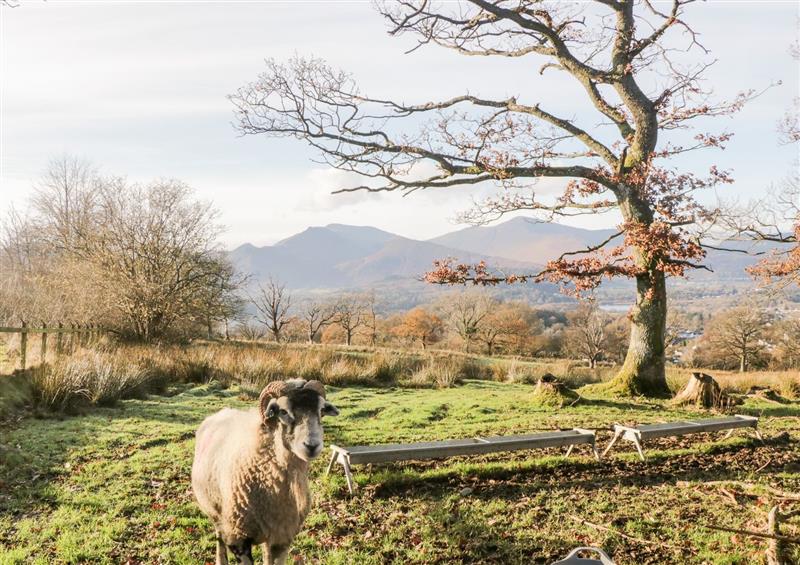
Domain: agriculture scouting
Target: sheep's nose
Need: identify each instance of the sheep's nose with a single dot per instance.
(311, 447)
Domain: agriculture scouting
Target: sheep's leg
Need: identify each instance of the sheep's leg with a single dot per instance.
(275, 554)
(222, 551)
(243, 551)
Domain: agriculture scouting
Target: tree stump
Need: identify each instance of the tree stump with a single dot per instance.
(703, 391)
(552, 393)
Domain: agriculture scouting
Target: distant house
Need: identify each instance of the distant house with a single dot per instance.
(685, 335)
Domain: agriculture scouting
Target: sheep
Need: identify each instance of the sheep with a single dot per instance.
(250, 470)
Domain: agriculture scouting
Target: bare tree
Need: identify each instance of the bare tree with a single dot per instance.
(220, 299)
(155, 252)
(68, 195)
(273, 302)
(251, 331)
(739, 332)
(586, 333)
(140, 259)
(350, 315)
(640, 85)
(465, 313)
(316, 315)
(371, 317)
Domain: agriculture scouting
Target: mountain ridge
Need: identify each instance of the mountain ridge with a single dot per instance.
(339, 256)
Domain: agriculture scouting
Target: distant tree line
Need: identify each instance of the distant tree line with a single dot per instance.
(470, 321)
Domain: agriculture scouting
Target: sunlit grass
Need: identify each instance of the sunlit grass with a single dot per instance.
(112, 485)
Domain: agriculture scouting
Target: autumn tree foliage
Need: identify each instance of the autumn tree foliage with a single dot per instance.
(636, 63)
(420, 326)
(502, 326)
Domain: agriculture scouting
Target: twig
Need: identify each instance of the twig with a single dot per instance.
(749, 486)
(785, 539)
(774, 547)
(628, 537)
(763, 466)
(729, 495)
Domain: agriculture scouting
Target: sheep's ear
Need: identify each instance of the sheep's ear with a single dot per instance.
(329, 409)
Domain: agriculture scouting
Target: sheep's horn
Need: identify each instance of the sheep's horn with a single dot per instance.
(275, 389)
(317, 387)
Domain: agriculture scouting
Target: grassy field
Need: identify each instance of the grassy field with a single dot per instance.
(112, 485)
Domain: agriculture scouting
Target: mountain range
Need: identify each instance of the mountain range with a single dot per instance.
(340, 256)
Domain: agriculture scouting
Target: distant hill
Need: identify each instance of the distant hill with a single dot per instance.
(523, 239)
(337, 256)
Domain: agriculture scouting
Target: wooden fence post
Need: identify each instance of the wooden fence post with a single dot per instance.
(23, 344)
(43, 351)
(59, 338)
(72, 338)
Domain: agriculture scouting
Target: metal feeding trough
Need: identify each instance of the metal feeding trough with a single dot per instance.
(574, 559)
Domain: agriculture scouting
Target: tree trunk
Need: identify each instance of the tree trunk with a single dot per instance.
(643, 369)
(743, 360)
(592, 362)
(349, 336)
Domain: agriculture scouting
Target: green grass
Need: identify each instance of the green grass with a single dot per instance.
(112, 486)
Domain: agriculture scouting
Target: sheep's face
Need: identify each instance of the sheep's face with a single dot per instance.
(300, 414)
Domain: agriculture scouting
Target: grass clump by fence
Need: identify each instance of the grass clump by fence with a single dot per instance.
(92, 378)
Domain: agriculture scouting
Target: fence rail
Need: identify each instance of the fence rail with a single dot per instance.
(79, 336)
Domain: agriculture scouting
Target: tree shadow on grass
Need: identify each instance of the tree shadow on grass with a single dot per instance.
(778, 410)
(618, 404)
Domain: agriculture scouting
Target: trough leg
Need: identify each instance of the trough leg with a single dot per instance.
(594, 450)
(330, 465)
(758, 434)
(729, 434)
(569, 450)
(617, 433)
(348, 474)
(637, 441)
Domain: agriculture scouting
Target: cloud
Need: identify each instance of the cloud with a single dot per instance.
(323, 182)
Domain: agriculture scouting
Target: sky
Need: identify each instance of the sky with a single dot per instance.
(139, 89)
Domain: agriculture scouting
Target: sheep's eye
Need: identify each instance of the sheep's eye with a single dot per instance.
(283, 412)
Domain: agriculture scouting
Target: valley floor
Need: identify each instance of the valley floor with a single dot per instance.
(112, 486)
